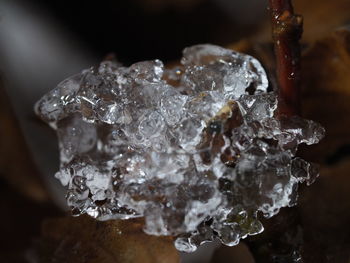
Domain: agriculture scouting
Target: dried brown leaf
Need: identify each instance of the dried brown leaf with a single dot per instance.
(325, 215)
(238, 254)
(84, 239)
(322, 16)
(326, 91)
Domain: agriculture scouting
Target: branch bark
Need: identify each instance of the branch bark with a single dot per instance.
(287, 29)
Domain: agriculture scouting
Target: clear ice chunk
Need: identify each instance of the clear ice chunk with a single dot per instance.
(197, 150)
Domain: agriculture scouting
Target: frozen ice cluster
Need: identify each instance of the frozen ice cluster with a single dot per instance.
(196, 150)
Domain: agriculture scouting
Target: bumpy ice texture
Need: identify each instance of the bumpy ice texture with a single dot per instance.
(195, 150)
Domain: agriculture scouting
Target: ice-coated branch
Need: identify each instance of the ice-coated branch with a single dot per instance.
(197, 157)
(287, 29)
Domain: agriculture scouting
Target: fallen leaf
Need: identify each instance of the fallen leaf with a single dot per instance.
(325, 215)
(83, 239)
(238, 254)
(326, 92)
(322, 16)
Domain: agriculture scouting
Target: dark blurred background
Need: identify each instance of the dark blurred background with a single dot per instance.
(146, 29)
(42, 42)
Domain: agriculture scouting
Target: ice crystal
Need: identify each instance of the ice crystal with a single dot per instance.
(196, 150)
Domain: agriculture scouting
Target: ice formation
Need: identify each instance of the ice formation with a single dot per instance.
(196, 150)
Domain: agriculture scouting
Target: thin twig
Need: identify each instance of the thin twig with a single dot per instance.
(287, 30)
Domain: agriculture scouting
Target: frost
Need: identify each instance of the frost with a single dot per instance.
(196, 150)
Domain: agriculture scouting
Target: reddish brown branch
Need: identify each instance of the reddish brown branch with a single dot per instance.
(287, 30)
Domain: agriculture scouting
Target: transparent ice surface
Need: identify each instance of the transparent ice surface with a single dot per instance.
(195, 150)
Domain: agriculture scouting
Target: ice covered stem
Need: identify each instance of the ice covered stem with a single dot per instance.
(287, 29)
(196, 150)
